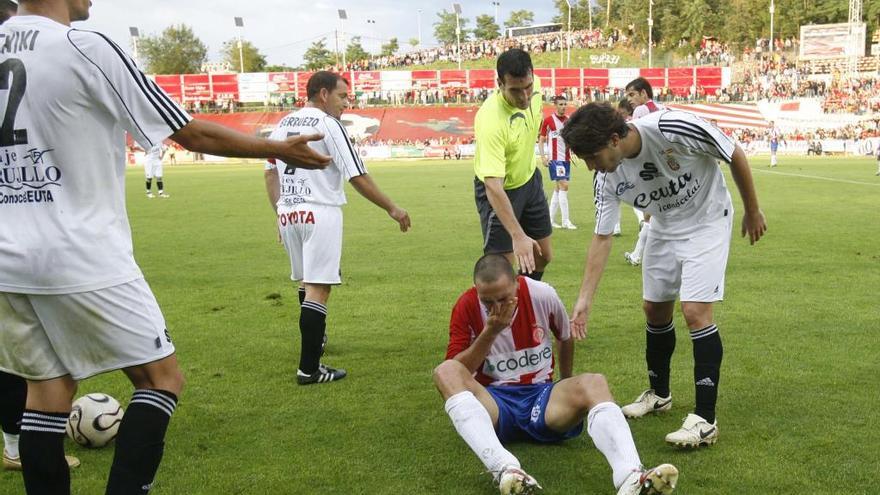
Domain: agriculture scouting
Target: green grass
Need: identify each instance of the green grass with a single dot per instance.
(580, 57)
(799, 401)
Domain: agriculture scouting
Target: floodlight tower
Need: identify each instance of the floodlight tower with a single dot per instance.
(855, 19)
(457, 8)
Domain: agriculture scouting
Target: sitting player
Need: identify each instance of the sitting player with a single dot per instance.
(497, 382)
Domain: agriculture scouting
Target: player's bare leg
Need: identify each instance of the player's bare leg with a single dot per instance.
(141, 439)
(313, 327)
(700, 428)
(41, 442)
(659, 347)
(474, 415)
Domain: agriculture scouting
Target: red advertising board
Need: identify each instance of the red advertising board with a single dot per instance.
(453, 78)
(197, 87)
(367, 80)
(225, 86)
(171, 85)
(680, 80)
(656, 77)
(425, 78)
(483, 78)
(595, 78)
(567, 78)
(302, 81)
(709, 78)
(282, 82)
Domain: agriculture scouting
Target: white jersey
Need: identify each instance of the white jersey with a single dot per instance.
(70, 96)
(323, 187)
(675, 177)
(647, 108)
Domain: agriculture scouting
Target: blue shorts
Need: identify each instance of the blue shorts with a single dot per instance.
(560, 170)
(521, 410)
(773, 147)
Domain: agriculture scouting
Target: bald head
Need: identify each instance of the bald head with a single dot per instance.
(492, 267)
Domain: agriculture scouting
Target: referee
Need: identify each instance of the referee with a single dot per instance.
(507, 184)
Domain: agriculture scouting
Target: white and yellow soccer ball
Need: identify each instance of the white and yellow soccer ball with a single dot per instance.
(94, 420)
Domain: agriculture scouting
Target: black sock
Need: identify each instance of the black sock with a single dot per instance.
(708, 352)
(160, 185)
(149, 184)
(302, 295)
(140, 442)
(13, 395)
(535, 275)
(659, 346)
(312, 323)
(41, 446)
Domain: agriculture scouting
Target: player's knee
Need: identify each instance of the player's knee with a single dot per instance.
(697, 315)
(563, 185)
(447, 372)
(657, 313)
(593, 389)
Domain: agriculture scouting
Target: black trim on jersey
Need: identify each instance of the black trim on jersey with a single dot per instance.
(596, 189)
(110, 83)
(156, 97)
(694, 131)
(357, 159)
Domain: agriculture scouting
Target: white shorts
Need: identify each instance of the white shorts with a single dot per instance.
(312, 235)
(690, 269)
(83, 334)
(153, 169)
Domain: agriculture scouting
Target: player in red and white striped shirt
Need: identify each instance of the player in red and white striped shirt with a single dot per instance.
(497, 382)
(559, 162)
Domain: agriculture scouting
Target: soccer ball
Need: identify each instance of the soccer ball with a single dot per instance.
(94, 420)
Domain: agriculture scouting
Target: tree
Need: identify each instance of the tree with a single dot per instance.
(580, 16)
(176, 51)
(254, 61)
(520, 18)
(444, 28)
(318, 56)
(355, 50)
(414, 42)
(389, 48)
(279, 68)
(486, 28)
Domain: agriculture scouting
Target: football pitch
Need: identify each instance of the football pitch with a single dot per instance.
(799, 401)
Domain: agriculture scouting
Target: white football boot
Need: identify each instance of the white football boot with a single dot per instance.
(632, 259)
(660, 480)
(555, 225)
(516, 481)
(695, 432)
(647, 403)
(568, 225)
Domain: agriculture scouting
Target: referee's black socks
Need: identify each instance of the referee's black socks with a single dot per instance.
(312, 324)
(659, 346)
(140, 442)
(708, 353)
(41, 447)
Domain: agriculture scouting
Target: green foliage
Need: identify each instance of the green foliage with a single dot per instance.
(444, 28)
(254, 61)
(486, 28)
(279, 68)
(318, 56)
(799, 329)
(176, 51)
(413, 42)
(355, 50)
(580, 16)
(519, 18)
(391, 47)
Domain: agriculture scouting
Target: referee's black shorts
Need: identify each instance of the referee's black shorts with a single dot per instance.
(529, 206)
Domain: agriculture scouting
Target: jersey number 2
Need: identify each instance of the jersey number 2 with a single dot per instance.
(8, 134)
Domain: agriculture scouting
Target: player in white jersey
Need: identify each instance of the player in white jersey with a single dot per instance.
(308, 205)
(641, 97)
(73, 302)
(153, 168)
(666, 164)
(559, 162)
(773, 136)
(497, 383)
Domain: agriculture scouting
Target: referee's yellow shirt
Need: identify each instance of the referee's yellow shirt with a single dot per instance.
(506, 137)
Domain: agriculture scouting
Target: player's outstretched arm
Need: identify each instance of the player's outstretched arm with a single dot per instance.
(754, 224)
(566, 358)
(524, 247)
(214, 139)
(366, 187)
(597, 258)
(273, 187)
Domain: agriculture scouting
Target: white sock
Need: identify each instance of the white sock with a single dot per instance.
(610, 432)
(563, 205)
(640, 244)
(10, 444)
(554, 205)
(473, 424)
(773, 160)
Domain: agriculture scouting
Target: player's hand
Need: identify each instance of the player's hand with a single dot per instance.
(297, 150)
(401, 217)
(755, 225)
(524, 249)
(579, 315)
(500, 315)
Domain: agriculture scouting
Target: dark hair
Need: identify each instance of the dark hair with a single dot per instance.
(491, 267)
(515, 62)
(626, 106)
(7, 10)
(559, 98)
(323, 80)
(639, 84)
(589, 129)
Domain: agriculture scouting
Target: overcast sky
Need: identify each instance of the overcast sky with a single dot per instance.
(283, 29)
